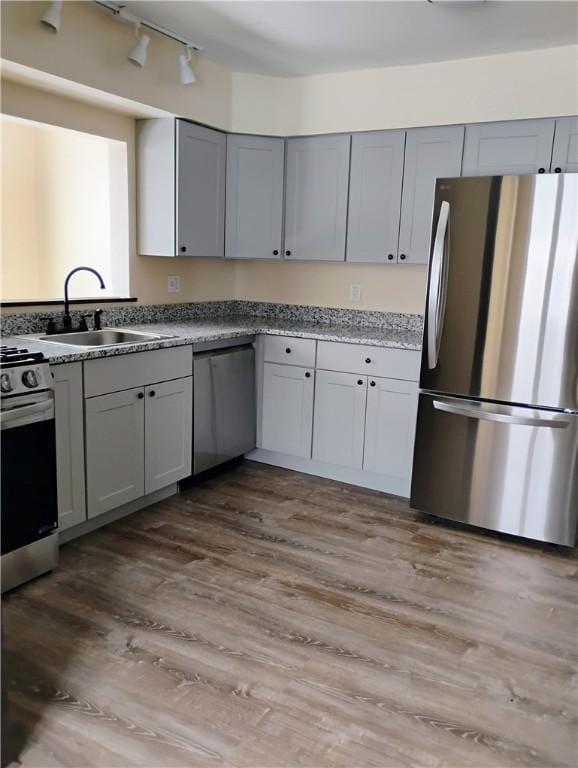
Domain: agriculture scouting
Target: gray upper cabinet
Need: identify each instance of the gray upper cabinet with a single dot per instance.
(181, 189)
(375, 196)
(429, 153)
(316, 197)
(516, 146)
(565, 152)
(201, 174)
(254, 210)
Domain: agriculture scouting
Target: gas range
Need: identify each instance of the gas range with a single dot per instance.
(23, 372)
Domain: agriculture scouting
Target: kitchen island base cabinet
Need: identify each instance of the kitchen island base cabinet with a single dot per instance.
(287, 409)
(68, 407)
(390, 426)
(115, 435)
(168, 430)
(339, 418)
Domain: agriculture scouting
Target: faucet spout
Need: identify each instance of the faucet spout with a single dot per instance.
(67, 321)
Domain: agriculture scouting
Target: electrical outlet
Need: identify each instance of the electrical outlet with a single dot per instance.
(174, 283)
(354, 292)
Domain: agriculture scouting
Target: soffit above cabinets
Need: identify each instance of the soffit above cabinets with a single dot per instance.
(289, 39)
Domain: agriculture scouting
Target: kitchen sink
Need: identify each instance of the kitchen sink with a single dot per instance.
(107, 337)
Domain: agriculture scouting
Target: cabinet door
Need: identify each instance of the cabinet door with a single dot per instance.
(201, 174)
(68, 406)
(254, 211)
(517, 146)
(390, 426)
(375, 196)
(114, 426)
(168, 433)
(287, 420)
(565, 152)
(339, 418)
(316, 197)
(430, 153)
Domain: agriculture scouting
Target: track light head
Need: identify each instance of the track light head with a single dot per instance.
(52, 16)
(138, 55)
(186, 73)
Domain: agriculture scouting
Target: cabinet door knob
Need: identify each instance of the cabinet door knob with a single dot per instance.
(402, 256)
(183, 248)
(152, 393)
(368, 360)
(360, 381)
(287, 253)
(541, 170)
(140, 395)
(557, 170)
(390, 256)
(307, 375)
(275, 252)
(372, 383)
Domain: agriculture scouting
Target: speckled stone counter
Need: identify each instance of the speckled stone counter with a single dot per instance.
(219, 323)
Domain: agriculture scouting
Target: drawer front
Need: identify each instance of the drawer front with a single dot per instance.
(113, 374)
(374, 361)
(289, 350)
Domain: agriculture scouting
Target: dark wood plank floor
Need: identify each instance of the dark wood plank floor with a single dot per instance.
(267, 618)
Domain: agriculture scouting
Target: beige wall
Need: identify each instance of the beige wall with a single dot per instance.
(91, 48)
(540, 83)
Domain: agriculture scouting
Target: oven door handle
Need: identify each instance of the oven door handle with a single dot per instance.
(27, 414)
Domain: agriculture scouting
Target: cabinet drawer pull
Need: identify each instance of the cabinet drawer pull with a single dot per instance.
(288, 350)
(368, 360)
(140, 395)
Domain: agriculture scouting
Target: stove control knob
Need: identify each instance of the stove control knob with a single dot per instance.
(6, 383)
(29, 379)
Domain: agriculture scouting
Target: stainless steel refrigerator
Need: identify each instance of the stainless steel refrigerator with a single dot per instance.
(497, 429)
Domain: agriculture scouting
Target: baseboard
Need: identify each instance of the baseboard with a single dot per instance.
(116, 514)
(397, 486)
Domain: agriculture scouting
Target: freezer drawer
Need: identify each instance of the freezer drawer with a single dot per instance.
(506, 468)
(224, 406)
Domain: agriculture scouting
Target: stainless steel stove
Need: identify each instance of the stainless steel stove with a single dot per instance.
(29, 511)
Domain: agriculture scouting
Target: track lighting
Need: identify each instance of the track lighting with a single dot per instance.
(186, 74)
(138, 55)
(52, 16)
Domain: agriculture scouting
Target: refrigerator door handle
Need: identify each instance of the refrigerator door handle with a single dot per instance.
(438, 284)
(475, 410)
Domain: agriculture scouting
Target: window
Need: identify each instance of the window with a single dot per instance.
(64, 204)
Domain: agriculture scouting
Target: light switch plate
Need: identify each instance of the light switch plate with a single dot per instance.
(354, 292)
(173, 283)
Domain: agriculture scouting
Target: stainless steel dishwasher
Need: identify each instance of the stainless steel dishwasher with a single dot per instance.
(224, 405)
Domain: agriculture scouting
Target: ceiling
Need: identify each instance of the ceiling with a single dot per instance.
(276, 37)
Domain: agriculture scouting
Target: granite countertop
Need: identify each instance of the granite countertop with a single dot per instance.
(199, 330)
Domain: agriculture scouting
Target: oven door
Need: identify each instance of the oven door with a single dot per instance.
(28, 493)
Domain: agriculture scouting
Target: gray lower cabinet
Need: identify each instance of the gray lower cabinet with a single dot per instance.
(254, 209)
(115, 445)
(316, 192)
(339, 418)
(181, 188)
(515, 146)
(390, 426)
(168, 433)
(137, 441)
(429, 153)
(565, 152)
(68, 405)
(375, 196)
(287, 409)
